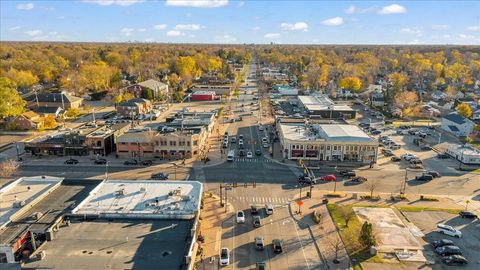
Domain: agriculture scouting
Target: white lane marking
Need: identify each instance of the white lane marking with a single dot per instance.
(301, 244)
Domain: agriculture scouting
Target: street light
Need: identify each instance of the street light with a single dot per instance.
(106, 170)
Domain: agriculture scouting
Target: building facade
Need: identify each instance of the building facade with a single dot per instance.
(134, 107)
(326, 142)
(457, 125)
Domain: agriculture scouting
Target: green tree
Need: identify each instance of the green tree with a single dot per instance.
(72, 113)
(366, 238)
(464, 110)
(11, 104)
(147, 94)
(350, 83)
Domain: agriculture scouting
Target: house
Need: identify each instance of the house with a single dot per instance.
(53, 100)
(457, 124)
(377, 99)
(134, 107)
(44, 111)
(27, 121)
(476, 115)
(203, 96)
(437, 95)
(159, 89)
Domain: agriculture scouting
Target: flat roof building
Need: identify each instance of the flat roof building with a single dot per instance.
(323, 107)
(326, 142)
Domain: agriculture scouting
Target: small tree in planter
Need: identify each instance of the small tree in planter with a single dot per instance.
(367, 237)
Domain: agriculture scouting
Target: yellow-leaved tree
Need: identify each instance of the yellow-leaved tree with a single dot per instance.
(464, 110)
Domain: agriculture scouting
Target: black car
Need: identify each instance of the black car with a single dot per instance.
(100, 161)
(260, 266)
(435, 174)
(376, 132)
(442, 243)
(306, 181)
(147, 162)
(448, 250)
(426, 148)
(347, 173)
(395, 159)
(241, 153)
(258, 152)
(71, 161)
(130, 162)
(253, 209)
(467, 214)
(277, 246)
(159, 176)
(443, 156)
(454, 260)
(355, 181)
(424, 177)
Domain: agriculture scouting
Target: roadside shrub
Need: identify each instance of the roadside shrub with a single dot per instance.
(334, 195)
(430, 199)
(369, 197)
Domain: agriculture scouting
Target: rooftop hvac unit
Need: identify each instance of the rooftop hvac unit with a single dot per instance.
(120, 192)
(18, 204)
(36, 216)
(143, 189)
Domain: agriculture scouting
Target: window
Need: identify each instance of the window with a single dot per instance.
(188, 143)
(328, 147)
(173, 143)
(195, 143)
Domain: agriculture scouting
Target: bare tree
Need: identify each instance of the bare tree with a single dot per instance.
(8, 168)
(372, 185)
(346, 213)
(336, 244)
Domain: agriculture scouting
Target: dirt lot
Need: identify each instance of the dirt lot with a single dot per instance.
(469, 243)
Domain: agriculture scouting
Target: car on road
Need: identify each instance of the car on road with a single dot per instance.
(249, 154)
(387, 152)
(424, 177)
(260, 266)
(225, 145)
(130, 162)
(328, 177)
(395, 159)
(258, 152)
(159, 176)
(443, 156)
(426, 148)
(240, 216)
(416, 161)
(71, 161)
(269, 209)
(468, 214)
(100, 161)
(395, 146)
(407, 156)
(347, 173)
(277, 246)
(435, 174)
(441, 243)
(306, 180)
(259, 243)
(448, 250)
(257, 221)
(448, 230)
(358, 180)
(233, 139)
(454, 260)
(224, 256)
(147, 162)
(241, 152)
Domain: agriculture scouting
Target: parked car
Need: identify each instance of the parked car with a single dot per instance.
(358, 179)
(395, 146)
(100, 161)
(306, 181)
(71, 161)
(328, 177)
(253, 209)
(241, 153)
(388, 153)
(347, 173)
(454, 260)
(376, 132)
(159, 176)
(147, 162)
(258, 152)
(259, 243)
(468, 214)
(269, 209)
(277, 246)
(426, 148)
(448, 230)
(424, 177)
(441, 243)
(435, 174)
(416, 161)
(260, 266)
(240, 217)
(249, 154)
(407, 156)
(224, 256)
(233, 139)
(130, 162)
(395, 159)
(257, 221)
(448, 250)
(443, 156)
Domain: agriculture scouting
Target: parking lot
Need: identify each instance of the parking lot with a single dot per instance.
(427, 221)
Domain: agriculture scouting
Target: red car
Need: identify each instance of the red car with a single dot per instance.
(328, 177)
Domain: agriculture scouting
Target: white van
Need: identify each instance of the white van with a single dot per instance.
(231, 155)
(448, 230)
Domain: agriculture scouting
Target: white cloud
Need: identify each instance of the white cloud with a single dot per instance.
(160, 26)
(26, 6)
(197, 3)
(333, 21)
(272, 35)
(357, 10)
(299, 26)
(33, 33)
(225, 39)
(440, 27)
(113, 2)
(412, 31)
(127, 31)
(393, 9)
(473, 28)
(141, 30)
(188, 27)
(174, 33)
(14, 28)
(350, 10)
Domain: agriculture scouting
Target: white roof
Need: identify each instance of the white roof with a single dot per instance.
(324, 132)
(28, 190)
(143, 199)
(321, 102)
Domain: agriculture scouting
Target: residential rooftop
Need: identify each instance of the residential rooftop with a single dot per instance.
(143, 199)
(324, 132)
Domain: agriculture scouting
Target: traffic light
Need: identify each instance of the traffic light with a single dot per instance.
(234, 183)
(254, 184)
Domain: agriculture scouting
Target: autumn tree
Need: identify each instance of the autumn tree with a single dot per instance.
(186, 68)
(346, 213)
(407, 102)
(8, 168)
(398, 81)
(464, 110)
(11, 104)
(72, 113)
(49, 122)
(214, 64)
(23, 79)
(97, 76)
(350, 83)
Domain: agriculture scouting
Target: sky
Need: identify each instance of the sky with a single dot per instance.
(249, 21)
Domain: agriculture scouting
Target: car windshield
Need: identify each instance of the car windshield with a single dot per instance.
(224, 254)
(240, 214)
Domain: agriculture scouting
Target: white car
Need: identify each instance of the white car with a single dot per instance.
(224, 256)
(269, 209)
(448, 230)
(249, 154)
(240, 217)
(265, 145)
(407, 156)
